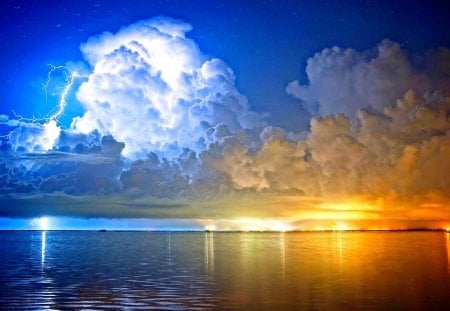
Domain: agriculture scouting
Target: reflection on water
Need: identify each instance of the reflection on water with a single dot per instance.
(447, 236)
(43, 242)
(282, 254)
(244, 271)
(209, 252)
(337, 249)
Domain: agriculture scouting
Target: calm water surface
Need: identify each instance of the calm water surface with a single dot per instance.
(211, 271)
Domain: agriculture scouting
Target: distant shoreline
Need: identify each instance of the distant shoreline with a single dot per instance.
(225, 231)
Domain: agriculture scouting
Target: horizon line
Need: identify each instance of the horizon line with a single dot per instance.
(233, 231)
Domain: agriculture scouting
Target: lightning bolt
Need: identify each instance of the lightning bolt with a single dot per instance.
(70, 77)
(50, 121)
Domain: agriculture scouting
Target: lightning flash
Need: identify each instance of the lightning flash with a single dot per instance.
(70, 78)
(49, 123)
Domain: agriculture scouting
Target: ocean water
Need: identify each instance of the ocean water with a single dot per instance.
(225, 271)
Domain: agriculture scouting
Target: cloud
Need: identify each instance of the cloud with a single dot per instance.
(344, 80)
(33, 136)
(395, 160)
(84, 169)
(153, 104)
(166, 133)
(154, 90)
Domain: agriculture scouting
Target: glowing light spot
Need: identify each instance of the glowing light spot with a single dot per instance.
(282, 227)
(340, 227)
(44, 223)
(50, 135)
(246, 224)
(210, 227)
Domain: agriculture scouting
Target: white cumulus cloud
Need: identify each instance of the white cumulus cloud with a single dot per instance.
(153, 89)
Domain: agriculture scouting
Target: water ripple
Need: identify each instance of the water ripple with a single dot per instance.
(244, 271)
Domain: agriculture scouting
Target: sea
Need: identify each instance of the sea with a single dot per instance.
(89, 270)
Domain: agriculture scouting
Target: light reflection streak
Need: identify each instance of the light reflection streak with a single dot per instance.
(206, 250)
(447, 245)
(283, 253)
(169, 251)
(43, 246)
(337, 248)
(209, 252)
(46, 293)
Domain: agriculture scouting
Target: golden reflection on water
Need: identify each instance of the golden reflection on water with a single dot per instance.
(283, 253)
(209, 252)
(337, 249)
(447, 244)
(307, 268)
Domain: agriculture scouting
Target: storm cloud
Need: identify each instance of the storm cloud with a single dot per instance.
(166, 133)
(152, 88)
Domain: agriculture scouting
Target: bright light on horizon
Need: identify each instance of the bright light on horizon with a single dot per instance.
(340, 227)
(248, 224)
(234, 224)
(43, 223)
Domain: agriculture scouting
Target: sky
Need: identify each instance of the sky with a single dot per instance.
(276, 115)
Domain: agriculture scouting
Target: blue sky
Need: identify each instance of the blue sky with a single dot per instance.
(250, 108)
(265, 43)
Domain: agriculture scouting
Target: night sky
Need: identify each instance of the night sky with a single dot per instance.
(224, 115)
